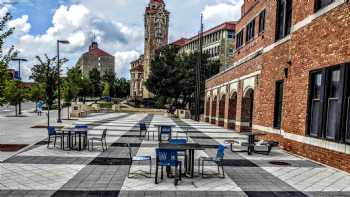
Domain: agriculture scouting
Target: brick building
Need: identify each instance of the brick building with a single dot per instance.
(96, 58)
(218, 42)
(136, 81)
(289, 77)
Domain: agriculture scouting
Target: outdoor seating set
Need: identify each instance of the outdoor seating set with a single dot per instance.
(76, 138)
(175, 153)
(253, 145)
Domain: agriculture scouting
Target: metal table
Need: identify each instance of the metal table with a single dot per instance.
(251, 140)
(190, 147)
(70, 132)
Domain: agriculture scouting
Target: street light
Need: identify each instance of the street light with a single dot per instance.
(58, 81)
(19, 60)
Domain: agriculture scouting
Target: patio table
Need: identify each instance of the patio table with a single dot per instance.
(75, 131)
(251, 140)
(159, 126)
(190, 147)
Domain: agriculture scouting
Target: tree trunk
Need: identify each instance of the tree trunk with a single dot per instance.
(48, 116)
(68, 112)
(16, 110)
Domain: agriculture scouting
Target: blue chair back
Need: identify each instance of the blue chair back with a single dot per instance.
(51, 130)
(178, 141)
(220, 152)
(81, 126)
(166, 157)
(165, 130)
(143, 126)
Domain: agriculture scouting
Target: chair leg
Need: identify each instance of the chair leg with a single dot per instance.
(48, 142)
(150, 168)
(199, 165)
(176, 174)
(223, 172)
(129, 169)
(161, 173)
(103, 150)
(202, 168)
(106, 144)
(180, 172)
(92, 145)
(156, 175)
(88, 145)
(54, 142)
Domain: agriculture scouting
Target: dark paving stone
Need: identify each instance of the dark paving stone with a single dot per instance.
(110, 161)
(125, 144)
(11, 147)
(77, 193)
(49, 160)
(239, 163)
(291, 163)
(327, 194)
(275, 194)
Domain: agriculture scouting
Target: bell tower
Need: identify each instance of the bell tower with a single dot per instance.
(156, 34)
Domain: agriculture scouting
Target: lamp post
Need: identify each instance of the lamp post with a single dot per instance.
(19, 60)
(58, 80)
(198, 74)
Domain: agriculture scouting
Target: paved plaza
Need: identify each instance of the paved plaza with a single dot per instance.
(39, 171)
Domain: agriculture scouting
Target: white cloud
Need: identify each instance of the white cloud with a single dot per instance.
(21, 24)
(3, 11)
(122, 62)
(225, 11)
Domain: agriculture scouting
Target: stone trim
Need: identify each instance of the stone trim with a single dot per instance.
(342, 148)
(236, 80)
(316, 15)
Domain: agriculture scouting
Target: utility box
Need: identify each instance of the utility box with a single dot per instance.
(183, 114)
(78, 111)
(116, 108)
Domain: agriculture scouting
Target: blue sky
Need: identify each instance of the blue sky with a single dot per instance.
(118, 25)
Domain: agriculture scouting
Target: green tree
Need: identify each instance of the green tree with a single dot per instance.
(110, 78)
(5, 58)
(122, 88)
(14, 94)
(164, 76)
(85, 88)
(36, 93)
(70, 92)
(95, 78)
(173, 75)
(106, 89)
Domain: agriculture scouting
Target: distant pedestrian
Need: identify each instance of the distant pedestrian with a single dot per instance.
(39, 107)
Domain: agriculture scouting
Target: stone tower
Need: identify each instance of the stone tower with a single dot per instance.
(156, 34)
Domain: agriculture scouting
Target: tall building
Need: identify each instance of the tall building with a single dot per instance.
(136, 78)
(96, 58)
(289, 78)
(218, 42)
(156, 35)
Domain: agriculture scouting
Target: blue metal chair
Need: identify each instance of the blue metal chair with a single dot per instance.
(52, 132)
(218, 159)
(101, 139)
(165, 130)
(143, 128)
(168, 158)
(181, 153)
(139, 159)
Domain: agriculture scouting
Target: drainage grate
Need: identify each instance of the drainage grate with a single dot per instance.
(280, 163)
(11, 147)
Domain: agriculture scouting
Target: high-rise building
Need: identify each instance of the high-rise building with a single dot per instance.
(96, 58)
(156, 35)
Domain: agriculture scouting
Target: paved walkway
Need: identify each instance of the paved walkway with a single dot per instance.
(39, 171)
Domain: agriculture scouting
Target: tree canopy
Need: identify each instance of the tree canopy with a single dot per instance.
(173, 75)
(5, 57)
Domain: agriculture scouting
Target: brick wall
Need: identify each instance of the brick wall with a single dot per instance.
(321, 43)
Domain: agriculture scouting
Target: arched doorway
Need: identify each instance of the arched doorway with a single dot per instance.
(213, 110)
(247, 110)
(207, 112)
(222, 110)
(232, 110)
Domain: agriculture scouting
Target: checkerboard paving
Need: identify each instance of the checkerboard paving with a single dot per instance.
(40, 171)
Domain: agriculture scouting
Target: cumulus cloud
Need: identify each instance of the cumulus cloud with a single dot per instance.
(223, 11)
(122, 61)
(20, 24)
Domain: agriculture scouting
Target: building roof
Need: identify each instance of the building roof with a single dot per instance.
(180, 42)
(157, 1)
(95, 51)
(224, 26)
